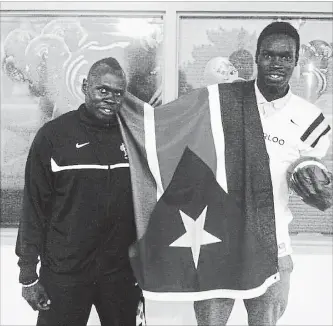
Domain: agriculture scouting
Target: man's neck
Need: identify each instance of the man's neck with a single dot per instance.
(272, 93)
(92, 120)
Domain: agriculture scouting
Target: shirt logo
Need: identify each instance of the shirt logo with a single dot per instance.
(274, 139)
(81, 145)
(123, 149)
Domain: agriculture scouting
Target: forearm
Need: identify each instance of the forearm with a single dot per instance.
(35, 210)
(28, 247)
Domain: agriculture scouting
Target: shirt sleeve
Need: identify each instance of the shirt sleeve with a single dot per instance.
(315, 138)
(36, 207)
(320, 150)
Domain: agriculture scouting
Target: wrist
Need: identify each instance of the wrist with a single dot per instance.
(28, 274)
(30, 284)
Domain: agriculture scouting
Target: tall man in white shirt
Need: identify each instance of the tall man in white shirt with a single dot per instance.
(292, 128)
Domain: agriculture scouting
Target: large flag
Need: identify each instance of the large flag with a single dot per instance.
(202, 195)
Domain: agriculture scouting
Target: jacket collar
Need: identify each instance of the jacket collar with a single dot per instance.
(90, 120)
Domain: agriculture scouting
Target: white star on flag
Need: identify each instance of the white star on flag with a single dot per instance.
(195, 235)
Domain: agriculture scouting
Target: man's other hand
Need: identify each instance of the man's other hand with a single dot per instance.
(36, 296)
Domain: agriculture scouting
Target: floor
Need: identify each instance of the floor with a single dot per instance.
(310, 301)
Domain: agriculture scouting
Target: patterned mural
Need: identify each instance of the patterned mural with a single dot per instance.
(44, 60)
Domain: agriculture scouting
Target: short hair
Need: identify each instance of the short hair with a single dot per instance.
(283, 28)
(112, 63)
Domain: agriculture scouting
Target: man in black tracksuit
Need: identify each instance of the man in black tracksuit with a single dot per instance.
(78, 214)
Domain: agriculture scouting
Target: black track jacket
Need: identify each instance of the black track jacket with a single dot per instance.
(77, 207)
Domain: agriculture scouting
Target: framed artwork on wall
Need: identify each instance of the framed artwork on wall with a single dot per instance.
(44, 59)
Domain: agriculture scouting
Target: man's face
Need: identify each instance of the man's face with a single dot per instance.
(276, 61)
(104, 92)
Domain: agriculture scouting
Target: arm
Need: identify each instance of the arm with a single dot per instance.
(315, 141)
(36, 208)
(320, 149)
(314, 183)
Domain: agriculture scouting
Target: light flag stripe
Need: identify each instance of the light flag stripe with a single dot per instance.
(218, 135)
(210, 294)
(57, 168)
(151, 149)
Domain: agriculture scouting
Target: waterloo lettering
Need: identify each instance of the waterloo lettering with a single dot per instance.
(274, 139)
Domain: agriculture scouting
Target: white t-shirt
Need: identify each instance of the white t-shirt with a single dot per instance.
(293, 127)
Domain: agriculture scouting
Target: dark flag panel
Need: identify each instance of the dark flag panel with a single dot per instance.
(202, 194)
